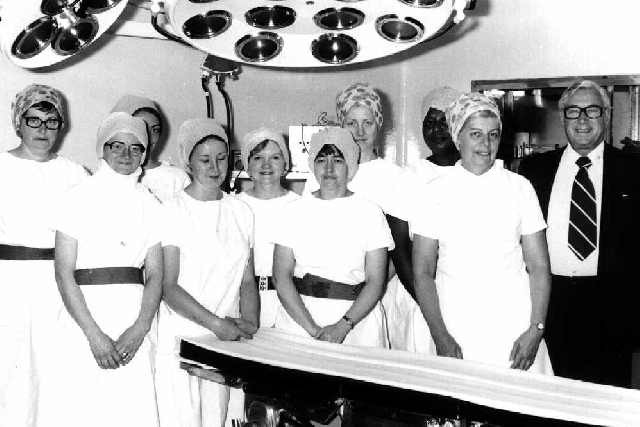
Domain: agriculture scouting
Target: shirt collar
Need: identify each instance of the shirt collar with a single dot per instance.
(595, 155)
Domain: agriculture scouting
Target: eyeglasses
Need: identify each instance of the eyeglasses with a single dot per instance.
(591, 111)
(36, 122)
(118, 147)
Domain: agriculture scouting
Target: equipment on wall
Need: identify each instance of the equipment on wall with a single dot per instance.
(38, 33)
(313, 33)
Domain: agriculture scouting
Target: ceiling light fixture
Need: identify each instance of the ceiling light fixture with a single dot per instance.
(39, 33)
(310, 33)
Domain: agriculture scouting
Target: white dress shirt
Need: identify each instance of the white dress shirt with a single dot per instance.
(563, 260)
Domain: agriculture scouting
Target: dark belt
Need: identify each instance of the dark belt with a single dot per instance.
(23, 253)
(108, 276)
(575, 280)
(319, 287)
(265, 283)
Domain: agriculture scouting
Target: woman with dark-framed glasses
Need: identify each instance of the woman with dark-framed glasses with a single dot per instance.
(108, 265)
(33, 177)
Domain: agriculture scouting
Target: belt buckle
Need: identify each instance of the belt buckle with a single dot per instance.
(263, 283)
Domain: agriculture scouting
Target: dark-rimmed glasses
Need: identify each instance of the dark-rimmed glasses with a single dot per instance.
(591, 111)
(36, 122)
(118, 147)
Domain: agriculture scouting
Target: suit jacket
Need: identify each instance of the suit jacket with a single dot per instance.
(619, 239)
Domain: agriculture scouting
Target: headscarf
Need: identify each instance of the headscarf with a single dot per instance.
(30, 96)
(439, 98)
(194, 130)
(356, 95)
(341, 138)
(255, 137)
(132, 103)
(467, 104)
(120, 122)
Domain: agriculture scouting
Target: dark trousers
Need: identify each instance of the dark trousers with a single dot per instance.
(585, 334)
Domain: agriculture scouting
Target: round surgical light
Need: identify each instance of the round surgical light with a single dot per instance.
(76, 36)
(422, 3)
(35, 38)
(270, 17)
(400, 30)
(98, 6)
(260, 47)
(333, 19)
(334, 48)
(207, 25)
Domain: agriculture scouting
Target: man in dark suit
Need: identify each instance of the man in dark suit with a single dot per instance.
(592, 325)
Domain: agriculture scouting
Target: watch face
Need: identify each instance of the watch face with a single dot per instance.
(539, 326)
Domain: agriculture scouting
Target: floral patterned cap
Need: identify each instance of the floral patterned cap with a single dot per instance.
(356, 95)
(32, 95)
(467, 104)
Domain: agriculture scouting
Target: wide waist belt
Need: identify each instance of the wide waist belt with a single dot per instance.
(108, 276)
(319, 287)
(265, 283)
(23, 253)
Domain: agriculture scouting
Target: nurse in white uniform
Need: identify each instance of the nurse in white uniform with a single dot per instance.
(33, 178)
(108, 266)
(480, 257)
(330, 258)
(266, 159)
(163, 179)
(209, 280)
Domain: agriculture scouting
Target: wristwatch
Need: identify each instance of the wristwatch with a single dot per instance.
(539, 326)
(349, 321)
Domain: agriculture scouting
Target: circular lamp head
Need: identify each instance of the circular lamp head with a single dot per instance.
(76, 36)
(35, 38)
(400, 30)
(39, 33)
(207, 25)
(270, 17)
(333, 19)
(260, 47)
(334, 48)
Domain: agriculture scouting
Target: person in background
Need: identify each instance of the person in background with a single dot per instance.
(209, 280)
(266, 159)
(592, 325)
(480, 258)
(160, 177)
(330, 256)
(33, 177)
(435, 131)
(359, 110)
(108, 266)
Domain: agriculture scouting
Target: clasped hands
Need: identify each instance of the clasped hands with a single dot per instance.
(110, 354)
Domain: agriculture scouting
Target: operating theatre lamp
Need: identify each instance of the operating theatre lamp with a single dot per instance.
(38, 33)
(309, 33)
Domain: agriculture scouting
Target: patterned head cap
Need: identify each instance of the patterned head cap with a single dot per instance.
(467, 104)
(32, 95)
(356, 95)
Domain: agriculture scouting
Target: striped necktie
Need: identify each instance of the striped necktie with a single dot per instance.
(583, 219)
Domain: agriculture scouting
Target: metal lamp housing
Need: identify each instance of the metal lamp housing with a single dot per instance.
(40, 33)
(312, 33)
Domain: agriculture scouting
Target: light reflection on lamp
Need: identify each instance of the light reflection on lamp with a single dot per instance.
(39, 33)
(312, 33)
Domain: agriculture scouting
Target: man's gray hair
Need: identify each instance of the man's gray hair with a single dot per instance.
(585, 85)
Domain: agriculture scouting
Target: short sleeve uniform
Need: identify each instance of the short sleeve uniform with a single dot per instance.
(165, 180)
(330, 239)
(481, 278)
(215, 239)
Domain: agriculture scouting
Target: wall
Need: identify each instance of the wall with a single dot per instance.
(501, 39)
